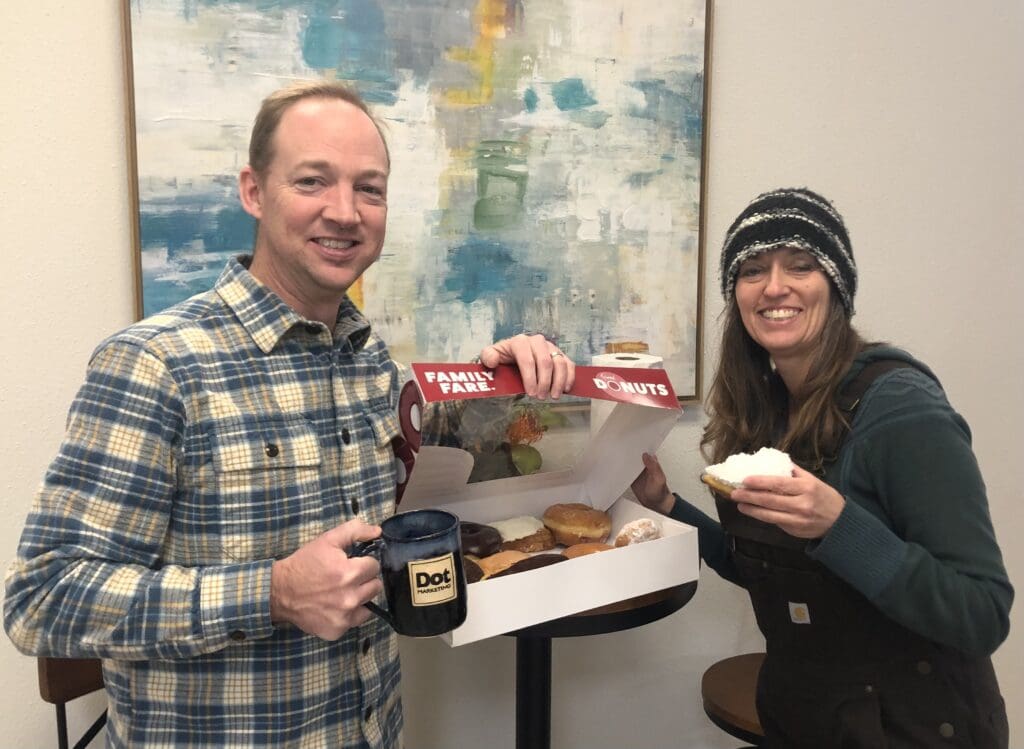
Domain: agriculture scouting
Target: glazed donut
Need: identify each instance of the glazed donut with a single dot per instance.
(530, 563)
(478, 539)
(575, 523)
(638, 531)
(579, 550)
(495, 563)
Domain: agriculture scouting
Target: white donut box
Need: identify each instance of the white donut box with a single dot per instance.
(645, 410)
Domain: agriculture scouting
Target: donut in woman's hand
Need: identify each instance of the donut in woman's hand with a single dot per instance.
(478, 539)
(719, 485)
(728, 475)
(575, 523)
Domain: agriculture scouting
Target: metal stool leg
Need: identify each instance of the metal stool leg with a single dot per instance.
(62, 727)
(94, 729)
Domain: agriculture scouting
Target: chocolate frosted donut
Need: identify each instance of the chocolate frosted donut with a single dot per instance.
(478, 539)
(472, 569)
(531, 563)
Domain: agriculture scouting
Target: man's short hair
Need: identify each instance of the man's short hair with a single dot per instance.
(261, 141)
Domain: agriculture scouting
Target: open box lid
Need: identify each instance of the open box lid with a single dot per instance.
(645, 410)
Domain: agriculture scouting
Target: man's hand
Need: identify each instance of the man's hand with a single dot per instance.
(651, 487)
(320, 589)
(802, 505)
(545, 370)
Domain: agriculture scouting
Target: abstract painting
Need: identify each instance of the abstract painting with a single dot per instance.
(547, 160)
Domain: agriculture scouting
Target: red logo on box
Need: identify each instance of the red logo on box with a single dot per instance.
(645, 387)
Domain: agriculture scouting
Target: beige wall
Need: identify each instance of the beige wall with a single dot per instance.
(906, 114)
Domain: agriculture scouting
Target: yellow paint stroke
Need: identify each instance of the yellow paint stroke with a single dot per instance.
(489, 18)
(355, 293)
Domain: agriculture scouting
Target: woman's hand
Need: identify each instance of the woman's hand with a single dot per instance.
(802, 505)
(545, 370)
(651, 487)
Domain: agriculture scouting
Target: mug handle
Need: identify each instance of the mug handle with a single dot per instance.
(361, 549)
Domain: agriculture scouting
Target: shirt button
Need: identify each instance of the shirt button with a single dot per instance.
(355, 506)
(237, 635)
(868, 689)
(946, 730)
(366, 646)
(924, 668)
(345, 436)
(369, 712)
(272, 450)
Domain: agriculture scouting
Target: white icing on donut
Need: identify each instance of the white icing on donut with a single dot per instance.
(520, 527)
(765, 462)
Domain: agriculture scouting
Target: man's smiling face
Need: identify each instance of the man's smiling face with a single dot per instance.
(322, 205)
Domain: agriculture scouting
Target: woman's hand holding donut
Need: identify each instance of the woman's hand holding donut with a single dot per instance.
(802, 505)
(651, 487)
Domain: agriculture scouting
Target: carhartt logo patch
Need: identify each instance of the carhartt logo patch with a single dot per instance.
(798, 613)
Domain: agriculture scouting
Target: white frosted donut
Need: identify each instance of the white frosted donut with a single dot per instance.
(730, 474)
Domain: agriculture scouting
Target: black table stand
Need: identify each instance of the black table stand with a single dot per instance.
(533, 653)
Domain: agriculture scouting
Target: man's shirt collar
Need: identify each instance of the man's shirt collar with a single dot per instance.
(268, 318)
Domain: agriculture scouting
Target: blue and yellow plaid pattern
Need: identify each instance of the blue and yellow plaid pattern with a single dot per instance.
(206, 442)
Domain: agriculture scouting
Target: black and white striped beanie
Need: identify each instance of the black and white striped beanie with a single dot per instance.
(792, 217)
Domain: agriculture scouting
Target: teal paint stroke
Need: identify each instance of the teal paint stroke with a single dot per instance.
(186, 240)
(492, 272)
(530, 100)
(350, 37)
(675, 104)
(570, 93)
(407, 35)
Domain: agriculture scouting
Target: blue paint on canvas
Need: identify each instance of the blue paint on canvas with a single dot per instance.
(570, 93)
(350, 38)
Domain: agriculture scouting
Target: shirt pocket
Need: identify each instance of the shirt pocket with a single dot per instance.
(383, 422)
(267, 470)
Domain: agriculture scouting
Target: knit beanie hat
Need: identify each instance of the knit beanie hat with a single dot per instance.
(792, 217)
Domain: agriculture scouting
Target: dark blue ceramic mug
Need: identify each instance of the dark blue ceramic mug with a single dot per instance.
(420, 554)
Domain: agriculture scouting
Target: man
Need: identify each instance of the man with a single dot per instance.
(222, 456)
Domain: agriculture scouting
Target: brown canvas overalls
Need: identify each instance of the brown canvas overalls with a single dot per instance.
(841, 675)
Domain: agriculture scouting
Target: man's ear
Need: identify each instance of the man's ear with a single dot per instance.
(250, 192)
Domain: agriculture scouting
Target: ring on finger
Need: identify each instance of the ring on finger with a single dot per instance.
(556, 354)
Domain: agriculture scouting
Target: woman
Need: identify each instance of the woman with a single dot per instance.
(873, 570)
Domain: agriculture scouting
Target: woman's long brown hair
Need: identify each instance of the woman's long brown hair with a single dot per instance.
(749, 407)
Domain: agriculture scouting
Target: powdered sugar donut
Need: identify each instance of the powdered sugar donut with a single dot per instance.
(638, 531)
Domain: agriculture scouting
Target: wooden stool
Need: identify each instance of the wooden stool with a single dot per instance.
(728, 689)
(64, 679)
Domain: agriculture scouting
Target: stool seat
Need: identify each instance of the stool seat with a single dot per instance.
(728, 689)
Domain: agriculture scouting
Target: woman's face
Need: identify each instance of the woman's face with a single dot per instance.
(783, 298)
